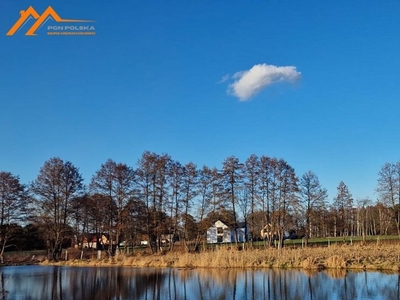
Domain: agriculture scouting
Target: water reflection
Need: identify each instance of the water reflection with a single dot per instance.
(38, 282)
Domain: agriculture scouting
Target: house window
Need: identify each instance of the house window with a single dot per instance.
(220, 230)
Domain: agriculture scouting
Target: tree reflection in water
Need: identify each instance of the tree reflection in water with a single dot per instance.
(81, 283)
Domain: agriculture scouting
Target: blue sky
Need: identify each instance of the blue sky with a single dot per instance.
(160, 76)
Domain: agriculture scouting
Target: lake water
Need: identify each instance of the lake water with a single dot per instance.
(81, 283)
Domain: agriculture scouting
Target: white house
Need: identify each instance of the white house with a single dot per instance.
(221, 233)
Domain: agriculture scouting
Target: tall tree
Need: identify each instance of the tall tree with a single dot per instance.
(279, 187)
(286, 187)
(93, 214)
(175, 180)
(145, 180)
(252, 172)
(116, 181)
(152, 175)
(268, 187)
(190, 190)
(57, 184)
(266, 184)
(208, 180)
(362, 217)
(313, 197)
(13, 203)
(205, 188)
(135, 221)
(343, 207)
(80, 211)
(383, 218)
(232, 177)
(389, 189)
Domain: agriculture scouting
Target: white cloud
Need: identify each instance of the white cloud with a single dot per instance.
(225, 78)
(248, 83)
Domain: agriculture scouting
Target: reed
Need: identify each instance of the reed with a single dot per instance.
(340, 257)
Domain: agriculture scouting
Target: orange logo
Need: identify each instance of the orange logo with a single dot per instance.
(40, 19)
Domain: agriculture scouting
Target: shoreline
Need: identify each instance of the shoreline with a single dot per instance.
(344, 257)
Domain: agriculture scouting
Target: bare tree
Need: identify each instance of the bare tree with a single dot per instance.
(266, 184)
(313, 197)
(343, 208)
(116, 181)
(232, 175)
(362, 217)
(135, 215)
(278, 197)
(93, 214)
(389, 189)
(383, 218)
(152, 175)
(57, 184)
(252, 170)
(190, 190)
(287, 199)
(175, 180)
(208, 179)
(145, 180)
(13, 203)
(80, 215)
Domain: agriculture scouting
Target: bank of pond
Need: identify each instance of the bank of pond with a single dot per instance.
(373, 255)
(345, 256)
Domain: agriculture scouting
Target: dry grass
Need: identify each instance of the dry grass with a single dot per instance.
(22, 258)
(371, 257)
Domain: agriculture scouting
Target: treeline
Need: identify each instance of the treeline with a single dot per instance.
(161, 197)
